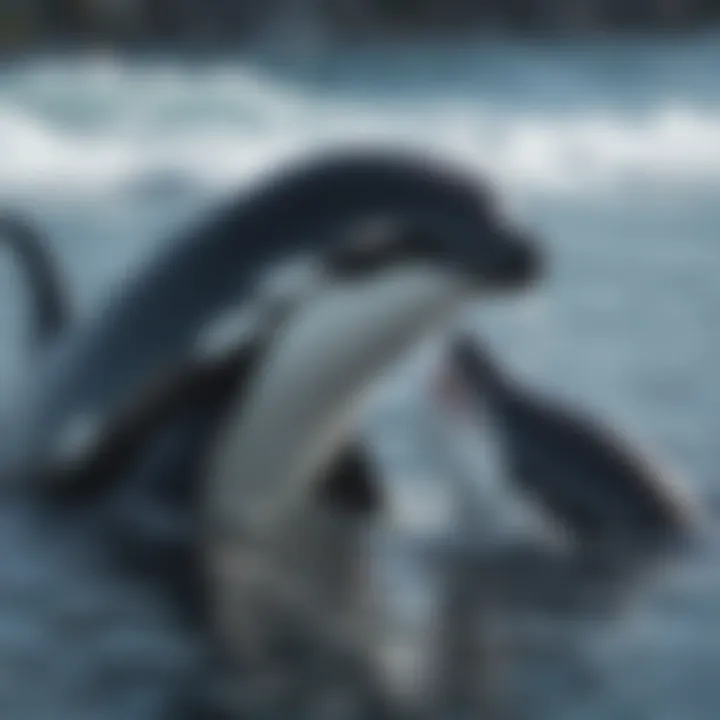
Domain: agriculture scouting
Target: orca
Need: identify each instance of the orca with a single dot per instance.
(601, 487)
(129, 507)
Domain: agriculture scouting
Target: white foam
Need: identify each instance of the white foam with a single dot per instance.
(219, 128)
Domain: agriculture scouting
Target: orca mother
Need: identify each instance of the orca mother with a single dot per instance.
(145, 336)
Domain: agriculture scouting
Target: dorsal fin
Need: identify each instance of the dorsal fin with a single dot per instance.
(51, 307)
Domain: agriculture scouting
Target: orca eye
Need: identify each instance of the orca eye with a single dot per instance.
(367, 247)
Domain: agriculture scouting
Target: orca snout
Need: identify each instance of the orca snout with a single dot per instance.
(516, 260)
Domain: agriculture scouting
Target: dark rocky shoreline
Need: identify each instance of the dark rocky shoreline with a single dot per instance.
(32, 23)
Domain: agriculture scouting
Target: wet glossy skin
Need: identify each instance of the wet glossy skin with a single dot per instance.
(151, 322)
(135, 493)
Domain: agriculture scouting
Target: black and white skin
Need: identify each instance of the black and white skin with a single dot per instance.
(115, 451)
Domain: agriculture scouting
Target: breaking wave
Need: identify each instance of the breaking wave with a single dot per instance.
(104, 128)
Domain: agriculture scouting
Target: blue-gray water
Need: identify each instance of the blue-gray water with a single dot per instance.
(612, 151)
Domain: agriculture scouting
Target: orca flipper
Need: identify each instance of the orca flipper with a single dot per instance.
(351, 485)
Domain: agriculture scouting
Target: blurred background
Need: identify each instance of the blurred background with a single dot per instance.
(598, 119)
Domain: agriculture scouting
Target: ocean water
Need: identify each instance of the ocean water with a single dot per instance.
(611, 151)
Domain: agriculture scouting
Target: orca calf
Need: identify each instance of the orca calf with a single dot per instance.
(589, 478)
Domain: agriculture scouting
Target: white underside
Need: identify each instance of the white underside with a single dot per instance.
(301, 406)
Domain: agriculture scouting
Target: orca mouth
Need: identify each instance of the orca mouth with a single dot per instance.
(464, 382)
